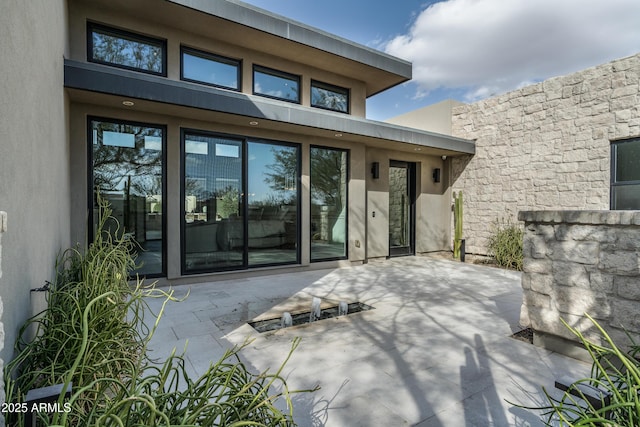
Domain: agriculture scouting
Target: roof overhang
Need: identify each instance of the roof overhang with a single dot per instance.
(102, 85)
(241, 24)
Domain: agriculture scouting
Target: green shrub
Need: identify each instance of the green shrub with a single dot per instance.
(94, 334)
(505, 245)
(613, 371)
(91, 283)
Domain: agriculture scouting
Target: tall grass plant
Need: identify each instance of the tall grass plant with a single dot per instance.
(615, 373)
(94, 334)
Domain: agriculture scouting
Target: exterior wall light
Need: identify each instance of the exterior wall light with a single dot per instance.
(375, 170)
(436, 175)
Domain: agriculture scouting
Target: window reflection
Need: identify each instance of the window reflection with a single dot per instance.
(126, 50)
(218, 213)
(273, 172)
(276, 84)
(625, 174)
(328, 203)
(127, 164)
(399, 207)
(329, 97)
(210, 69)
(214, 226)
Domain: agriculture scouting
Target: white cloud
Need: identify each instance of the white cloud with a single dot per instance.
(488, 47)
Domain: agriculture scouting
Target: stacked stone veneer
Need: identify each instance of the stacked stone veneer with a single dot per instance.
(545, 146)
(578, 262)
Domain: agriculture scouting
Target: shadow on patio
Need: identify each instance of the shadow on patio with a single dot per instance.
(435, 351)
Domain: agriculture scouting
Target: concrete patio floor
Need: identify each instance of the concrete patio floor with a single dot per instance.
(435, 351)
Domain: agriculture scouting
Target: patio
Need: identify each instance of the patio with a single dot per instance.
(435, 351)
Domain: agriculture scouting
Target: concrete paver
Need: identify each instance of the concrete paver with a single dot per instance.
(434, 351)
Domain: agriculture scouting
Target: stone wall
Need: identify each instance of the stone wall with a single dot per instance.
(545, 146)
(578, 262)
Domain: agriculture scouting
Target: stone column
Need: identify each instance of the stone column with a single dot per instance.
(578, 262)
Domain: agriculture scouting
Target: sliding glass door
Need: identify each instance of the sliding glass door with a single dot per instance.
(214, 227)
(273, 170)
(127, 170)
(241, 202)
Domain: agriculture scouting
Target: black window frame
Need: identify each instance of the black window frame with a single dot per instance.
(276, 73)
(298, 147)
(91, 189)
(614, 183)
(348, 179)
(211, 57)
(332, 88)
(130, 35)
(245, 140)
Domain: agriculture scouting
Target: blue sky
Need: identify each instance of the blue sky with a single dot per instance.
(473, 49)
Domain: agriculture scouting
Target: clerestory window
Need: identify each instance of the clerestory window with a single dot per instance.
(123, 49)
(329, 97)
(210, 69)
(276, 84)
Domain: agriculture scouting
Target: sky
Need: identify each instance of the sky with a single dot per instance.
(470, 50)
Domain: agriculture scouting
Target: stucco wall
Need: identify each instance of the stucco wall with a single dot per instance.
(432, 203)
(181, 34)
(434, 118)
(34, 154)
(545, 146)
(3, 226)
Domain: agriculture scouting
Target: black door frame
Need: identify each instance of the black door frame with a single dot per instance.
(411, 189)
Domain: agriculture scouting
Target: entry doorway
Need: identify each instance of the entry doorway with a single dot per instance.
(402, 208)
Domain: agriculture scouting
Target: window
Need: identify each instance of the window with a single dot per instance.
(329, 97)
(241, 203)
(273, 202)
(276, 84)
(625, 175)
(328, 203)
(213, 233)
(127, 169)
(210, 69)
(126, 50)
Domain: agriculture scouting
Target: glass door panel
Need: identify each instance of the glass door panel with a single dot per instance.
(328, 203)
(213, 236)
(128, 170)
(401, 208)
(272, 201)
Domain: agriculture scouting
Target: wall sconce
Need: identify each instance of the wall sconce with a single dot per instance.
(436, 175)
(375, 170)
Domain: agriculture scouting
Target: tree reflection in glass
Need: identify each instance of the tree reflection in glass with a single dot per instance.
(127, 164)
(127, 51)
(328, 203)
